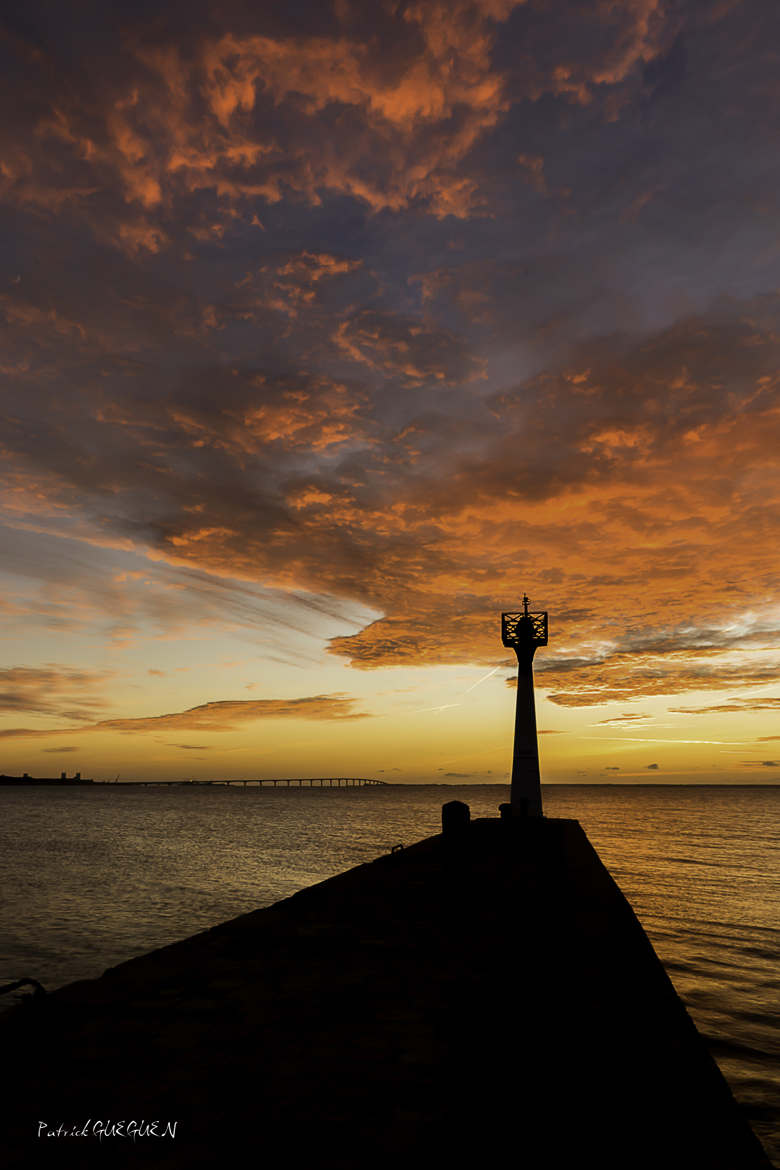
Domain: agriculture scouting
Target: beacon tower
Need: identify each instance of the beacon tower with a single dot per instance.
(524, 632)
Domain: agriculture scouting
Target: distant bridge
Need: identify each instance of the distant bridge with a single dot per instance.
(302, 782)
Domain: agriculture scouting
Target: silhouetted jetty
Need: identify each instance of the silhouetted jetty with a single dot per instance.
(483, 998)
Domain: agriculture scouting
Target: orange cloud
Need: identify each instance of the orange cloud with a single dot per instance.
(21, 314)
(270, 407)
(533, 164)
(227, 715)
(596, 478)
(418, 351)
(758, 704)
(314, 413)
(138, 236)
(54, 690)
(594, 482)
(289, 287)
(627, 677)
(262, 116)
(185, 123)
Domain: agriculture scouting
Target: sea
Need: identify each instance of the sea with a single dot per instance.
(92, 876)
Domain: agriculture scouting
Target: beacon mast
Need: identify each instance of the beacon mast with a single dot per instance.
(524, 632)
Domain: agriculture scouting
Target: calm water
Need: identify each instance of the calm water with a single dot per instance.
(93, 877)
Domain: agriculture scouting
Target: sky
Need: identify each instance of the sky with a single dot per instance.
(329, 330)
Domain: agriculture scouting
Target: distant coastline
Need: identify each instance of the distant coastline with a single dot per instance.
(30, 781)
(316, 782)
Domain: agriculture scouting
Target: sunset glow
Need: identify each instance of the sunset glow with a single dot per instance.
(330, 330)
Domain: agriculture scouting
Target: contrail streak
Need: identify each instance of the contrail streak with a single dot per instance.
(484, 678)
(636, 739)
(441, 707)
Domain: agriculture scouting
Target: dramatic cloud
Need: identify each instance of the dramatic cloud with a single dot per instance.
(290, 286)
(627, 718)
(598, 472)
(761, 704)
(240, 119)
(199, 126)
(625, 676)
(53, 690)
(227, 715)
(410, 348)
